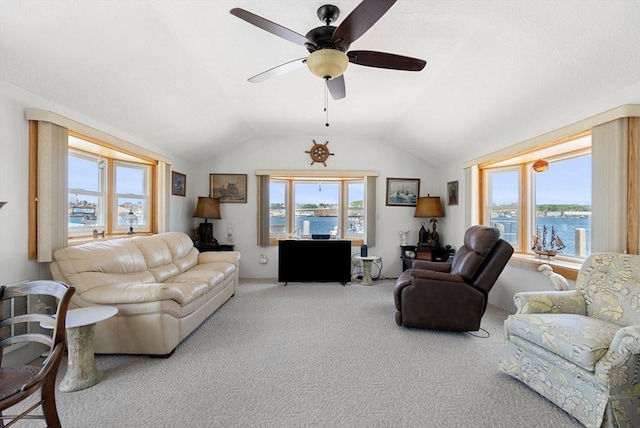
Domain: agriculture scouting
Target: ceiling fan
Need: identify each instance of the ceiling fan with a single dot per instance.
(328, 46)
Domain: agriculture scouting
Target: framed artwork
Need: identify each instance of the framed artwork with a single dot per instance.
(403, 192)
(228, 187)
(452, 192)
(178, 184)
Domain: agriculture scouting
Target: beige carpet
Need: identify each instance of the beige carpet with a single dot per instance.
(312, 355)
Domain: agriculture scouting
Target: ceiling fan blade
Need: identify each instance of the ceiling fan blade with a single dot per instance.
(271, 27)
(279, 70)
(386, 60)
(360, 20)
(337, 88)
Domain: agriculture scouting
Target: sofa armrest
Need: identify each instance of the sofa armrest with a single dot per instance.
(555, 302)
(436, 275)
(615, 368)
(219, 256)
(429, 265)
(426, 283)
(113, 294)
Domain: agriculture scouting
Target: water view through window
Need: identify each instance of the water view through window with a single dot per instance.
(318, 208)
(562, 198)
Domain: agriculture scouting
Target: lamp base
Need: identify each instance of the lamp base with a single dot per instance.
(205, 234)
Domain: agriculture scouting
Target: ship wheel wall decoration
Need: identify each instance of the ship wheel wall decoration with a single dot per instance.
(319, 153)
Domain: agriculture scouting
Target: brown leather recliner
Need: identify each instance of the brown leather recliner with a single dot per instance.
(453, 297)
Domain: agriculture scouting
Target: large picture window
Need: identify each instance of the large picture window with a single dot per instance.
(296, 204)
(103, 191)
(306, 207)
(549, 210)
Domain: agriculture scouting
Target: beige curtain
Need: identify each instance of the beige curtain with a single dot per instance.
(370, 219)
(164, 196)
(52, 230)
(609, 149)
(263, 210)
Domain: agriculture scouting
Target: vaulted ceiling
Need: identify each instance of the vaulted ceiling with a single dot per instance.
(174, 73)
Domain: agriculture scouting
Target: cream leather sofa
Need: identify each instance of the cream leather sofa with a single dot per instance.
(162, 286)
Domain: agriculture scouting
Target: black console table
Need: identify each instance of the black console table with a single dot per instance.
(435, 254)
(321, 260)
(208, 247)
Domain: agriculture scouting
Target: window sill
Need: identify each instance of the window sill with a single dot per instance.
(568, 269)
(86, 239)
(355, 242)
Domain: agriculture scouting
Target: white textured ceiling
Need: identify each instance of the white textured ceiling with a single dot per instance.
(173, 73)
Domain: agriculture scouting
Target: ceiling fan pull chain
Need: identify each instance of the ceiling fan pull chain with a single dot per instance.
(326, 100)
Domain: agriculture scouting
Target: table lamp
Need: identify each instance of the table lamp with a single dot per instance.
(132, 220)
(207, 208)
(429, 206)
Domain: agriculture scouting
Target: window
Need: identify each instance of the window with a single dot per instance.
(104, 190)
(305, 206)
(87, 201)
(549, 210)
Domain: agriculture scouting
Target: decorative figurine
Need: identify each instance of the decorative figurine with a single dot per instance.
(558, 282)
(230, 234)
(403, 237)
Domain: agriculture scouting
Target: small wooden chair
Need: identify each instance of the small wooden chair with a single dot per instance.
(18, 383)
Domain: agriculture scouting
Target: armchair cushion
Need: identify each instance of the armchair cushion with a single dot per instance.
(579, 339)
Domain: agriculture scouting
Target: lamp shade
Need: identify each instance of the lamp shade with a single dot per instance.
(327, 63)
(207, 208)
(429, 206)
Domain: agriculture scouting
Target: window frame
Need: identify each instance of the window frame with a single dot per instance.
(290, 208)
(562, 149)
(101, 193)
(96, 149)
(145, 225)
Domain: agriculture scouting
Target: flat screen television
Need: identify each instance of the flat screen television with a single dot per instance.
(320, 260)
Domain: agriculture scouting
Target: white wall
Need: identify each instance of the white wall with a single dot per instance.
(289, 153)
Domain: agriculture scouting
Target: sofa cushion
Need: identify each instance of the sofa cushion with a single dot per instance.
(227, 269)
(183, 254)
(194, 276)
(577, 338)
(100, 263)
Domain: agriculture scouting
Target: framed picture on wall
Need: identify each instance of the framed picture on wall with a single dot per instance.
(228, 187)
(403, 192)
(178, 184)
(452, 192)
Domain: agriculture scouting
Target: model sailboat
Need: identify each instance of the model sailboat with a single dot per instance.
(540, 245)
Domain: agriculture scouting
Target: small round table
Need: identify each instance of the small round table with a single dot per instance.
(366, 268)
(81, 365)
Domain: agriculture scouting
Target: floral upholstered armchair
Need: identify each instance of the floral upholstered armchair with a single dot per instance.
(581, 348)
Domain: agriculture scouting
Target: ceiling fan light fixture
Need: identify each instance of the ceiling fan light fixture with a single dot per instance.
(327, 63)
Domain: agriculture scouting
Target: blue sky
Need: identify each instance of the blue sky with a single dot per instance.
(565, 182)
(316, 193)
(84, 174)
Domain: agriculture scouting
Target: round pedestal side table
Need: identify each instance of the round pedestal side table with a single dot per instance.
(81, 366)
(366, 268)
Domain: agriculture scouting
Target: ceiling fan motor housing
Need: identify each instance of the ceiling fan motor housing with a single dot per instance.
(327, 58)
